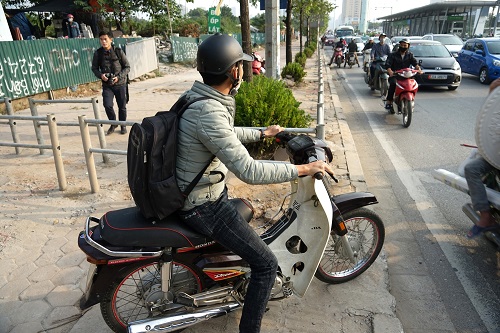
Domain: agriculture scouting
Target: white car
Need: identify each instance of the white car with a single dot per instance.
(358, 41)
(452, 42)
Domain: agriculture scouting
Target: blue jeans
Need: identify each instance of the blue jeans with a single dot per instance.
(221, 221)
(110, 92)
(475, 170)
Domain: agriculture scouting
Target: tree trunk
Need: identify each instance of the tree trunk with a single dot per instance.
(288, 38)
(246, 40)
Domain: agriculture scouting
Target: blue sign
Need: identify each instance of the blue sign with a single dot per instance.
(283, 4)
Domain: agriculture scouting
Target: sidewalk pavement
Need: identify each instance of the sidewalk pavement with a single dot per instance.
(43, 273)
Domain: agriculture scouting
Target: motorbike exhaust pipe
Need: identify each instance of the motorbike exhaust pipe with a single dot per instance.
(470, 212)
(181, 320)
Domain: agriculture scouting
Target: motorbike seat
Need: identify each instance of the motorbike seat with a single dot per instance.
(128, 227)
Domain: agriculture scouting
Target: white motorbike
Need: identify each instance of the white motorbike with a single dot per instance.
(164, 277)
(366, 60)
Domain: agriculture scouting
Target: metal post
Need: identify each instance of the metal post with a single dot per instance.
(272, 39)
(100, 130)
(89, 157)
(56, 151)
(12, 123)
(496, 19)
(36, 124)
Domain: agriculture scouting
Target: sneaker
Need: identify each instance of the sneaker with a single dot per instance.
(111, 129)
(123, 130)
(388, 106)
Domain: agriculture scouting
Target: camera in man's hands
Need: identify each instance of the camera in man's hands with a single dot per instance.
(110, 77)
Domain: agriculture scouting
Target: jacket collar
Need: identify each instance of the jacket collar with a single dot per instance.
(206, 90)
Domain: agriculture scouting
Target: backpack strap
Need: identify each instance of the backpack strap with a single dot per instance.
(199, 175)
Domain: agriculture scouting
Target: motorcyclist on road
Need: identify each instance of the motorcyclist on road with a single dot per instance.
(342, 44)
(398, 60)
(378, 50)
(352, 47)
(369, 44)
(475, 171)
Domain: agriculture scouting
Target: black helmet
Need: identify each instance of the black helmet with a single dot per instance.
(218, 53)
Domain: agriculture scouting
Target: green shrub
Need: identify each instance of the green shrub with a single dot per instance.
(301, 58)
(308, 52)
(263, 102)
(295, 70)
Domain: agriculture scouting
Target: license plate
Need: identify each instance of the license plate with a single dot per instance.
(438, 77)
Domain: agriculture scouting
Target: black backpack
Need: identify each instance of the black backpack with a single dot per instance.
(151, 159)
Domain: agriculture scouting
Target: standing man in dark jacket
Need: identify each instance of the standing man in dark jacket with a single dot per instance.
(400, 59)
(110, 64)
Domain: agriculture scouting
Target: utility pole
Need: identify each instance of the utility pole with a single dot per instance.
(272, 39)
(496, 19)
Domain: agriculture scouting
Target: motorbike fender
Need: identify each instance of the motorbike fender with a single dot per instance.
(384, 76)
(351, 201)
(313, 222)
(102, 277)
(407, 95)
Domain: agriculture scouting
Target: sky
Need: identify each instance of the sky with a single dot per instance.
(378, 8)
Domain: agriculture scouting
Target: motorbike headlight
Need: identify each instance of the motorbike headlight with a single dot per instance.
(496, 63)
(456, 66)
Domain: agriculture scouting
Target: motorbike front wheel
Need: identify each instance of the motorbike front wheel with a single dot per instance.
(383, 87)
(407, 111)
(365, 235)
(127, 297)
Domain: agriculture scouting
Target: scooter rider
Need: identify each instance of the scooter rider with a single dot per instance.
(400, 59)
(378, 50)
(206, 129)
(368, 44)
(352, 47)
(342, 44)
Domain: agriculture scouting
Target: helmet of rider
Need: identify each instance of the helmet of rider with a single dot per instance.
(405, 40)
(341, 39)
(218, 53)
(69, 16)
(371, 39)
(382, 35)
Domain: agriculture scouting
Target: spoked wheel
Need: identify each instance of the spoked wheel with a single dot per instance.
(365, 236)
(139, 296)
(407, 111)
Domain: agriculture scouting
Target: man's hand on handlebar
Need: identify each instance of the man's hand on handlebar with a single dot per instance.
(272, 130)
(313, 168)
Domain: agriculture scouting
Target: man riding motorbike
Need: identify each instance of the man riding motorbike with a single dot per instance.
(207, 132)
(352, 47)
(474, 171)
(342, 44)
(378, 50)
(398, 60)
(368, 44)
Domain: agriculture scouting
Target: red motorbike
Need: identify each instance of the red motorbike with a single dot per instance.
(258, 64)
(338, 56)
(404, 97)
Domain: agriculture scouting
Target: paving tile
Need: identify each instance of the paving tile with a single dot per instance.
(74, 258)
(31, 311)
(32, 326)
(62, 316)
(70, 275)
(49, 258)
(44, 273)
(36, 290)
(22, 271)
(12, 289)
(54, 244)
(64, 295)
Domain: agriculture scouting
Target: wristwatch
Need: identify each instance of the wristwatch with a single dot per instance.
(262, 134)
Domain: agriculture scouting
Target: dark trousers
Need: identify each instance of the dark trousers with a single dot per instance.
(120, 93)
(221, 221)
(392, 88)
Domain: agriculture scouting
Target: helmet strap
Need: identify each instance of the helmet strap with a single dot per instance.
(235, 82)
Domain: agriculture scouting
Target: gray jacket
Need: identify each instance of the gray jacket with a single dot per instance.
(207, 129)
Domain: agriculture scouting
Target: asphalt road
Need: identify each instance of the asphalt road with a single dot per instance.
(436, 274)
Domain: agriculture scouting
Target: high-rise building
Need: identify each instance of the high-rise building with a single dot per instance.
(351, 12)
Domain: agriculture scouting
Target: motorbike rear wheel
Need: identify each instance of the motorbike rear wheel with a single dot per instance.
(125, 300)
(366, 234)
(339, 61)
(407, 111)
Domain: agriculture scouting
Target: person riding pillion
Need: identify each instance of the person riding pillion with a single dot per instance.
(207, 133)
(400, 59)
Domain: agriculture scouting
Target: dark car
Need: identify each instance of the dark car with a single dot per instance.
(481, 57)
(328, 40)
(439, 66)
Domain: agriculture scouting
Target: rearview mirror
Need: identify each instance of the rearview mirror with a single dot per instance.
(480, 52)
